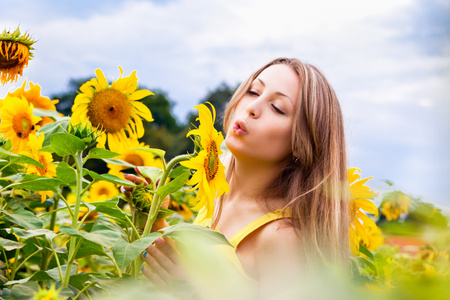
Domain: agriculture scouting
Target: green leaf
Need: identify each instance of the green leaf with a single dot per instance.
(52, 274)
(174, 185)
(157, 152)
(182, 231)
(371, 265)
(60, 126)
(118, 162)
(164, 213)
(366, 252)
(39, 112)
(7, 153)
(125, 253)
(23, 218)
(89, 248)
(39, 183)
(8, 245)
(24, 291)
(111, 178)
(178, 171)
(151, 172)
(27, 234)
(103, 237)
(78, 280)
(65, 173)
(110, 208)
(23, 159)
(65, 144)
(101, 153)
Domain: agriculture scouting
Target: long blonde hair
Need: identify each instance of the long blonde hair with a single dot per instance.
(313, 179)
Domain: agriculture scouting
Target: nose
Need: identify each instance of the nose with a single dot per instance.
(253, 110)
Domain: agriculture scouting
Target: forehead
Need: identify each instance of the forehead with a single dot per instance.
(280, 78)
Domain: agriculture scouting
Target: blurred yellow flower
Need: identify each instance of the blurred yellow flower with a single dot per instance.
(135, 157)
(374, 237)
(359, 202)
(33, 96)
(209, 177)
(72, 198)
(15, 52)
(44, 294)
(102, 190)
(181, 209)
(114, 108)
(394, 205)
(17, 122)
(45, 158)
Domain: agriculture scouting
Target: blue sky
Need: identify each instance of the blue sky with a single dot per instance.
(388, 60)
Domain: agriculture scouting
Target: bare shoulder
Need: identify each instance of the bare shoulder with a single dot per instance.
(278, 256)
(278, 237)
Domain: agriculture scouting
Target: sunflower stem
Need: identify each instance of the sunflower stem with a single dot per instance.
(79, 188)
(157, 202)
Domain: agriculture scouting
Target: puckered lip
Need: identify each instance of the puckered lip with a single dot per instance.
(240, 127)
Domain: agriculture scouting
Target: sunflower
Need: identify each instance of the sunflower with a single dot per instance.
(18, 122)
(209, 177)
(359, 202)
(374, 237)
(33, 96)
(45, 294)
(135, 157)
(112, 108)
(181, 209)
(45, 158)
(102, 190)
(394, 205)
(15, 52)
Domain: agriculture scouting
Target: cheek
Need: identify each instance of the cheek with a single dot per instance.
(279, 141)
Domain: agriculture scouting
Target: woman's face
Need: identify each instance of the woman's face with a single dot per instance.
(264, 117)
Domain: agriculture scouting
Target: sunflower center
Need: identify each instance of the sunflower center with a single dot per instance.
(109, 110)
(103, 191)
(211, 163)
(43, 162)
(11, 54)
(134, 159)
(22, 125)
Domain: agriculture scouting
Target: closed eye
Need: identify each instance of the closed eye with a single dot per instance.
(252, 93)
(277, 110)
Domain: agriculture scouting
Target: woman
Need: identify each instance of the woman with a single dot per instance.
(287, 210)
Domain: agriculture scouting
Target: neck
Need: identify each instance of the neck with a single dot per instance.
(250, 179)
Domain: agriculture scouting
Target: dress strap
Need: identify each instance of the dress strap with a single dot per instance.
(267, 218)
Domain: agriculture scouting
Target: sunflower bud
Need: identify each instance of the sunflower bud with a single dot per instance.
(85, 132)
(197, 144)
(141, 198)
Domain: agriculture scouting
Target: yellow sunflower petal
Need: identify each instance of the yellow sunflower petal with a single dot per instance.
(368, 206)
(139, 95)
(101, 79)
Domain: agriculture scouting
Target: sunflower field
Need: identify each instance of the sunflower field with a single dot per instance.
(68, 232)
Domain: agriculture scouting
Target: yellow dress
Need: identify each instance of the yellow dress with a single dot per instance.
(235, 240)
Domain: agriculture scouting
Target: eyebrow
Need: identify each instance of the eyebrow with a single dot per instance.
(278, 93)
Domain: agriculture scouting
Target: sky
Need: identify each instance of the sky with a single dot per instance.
(388, 61)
